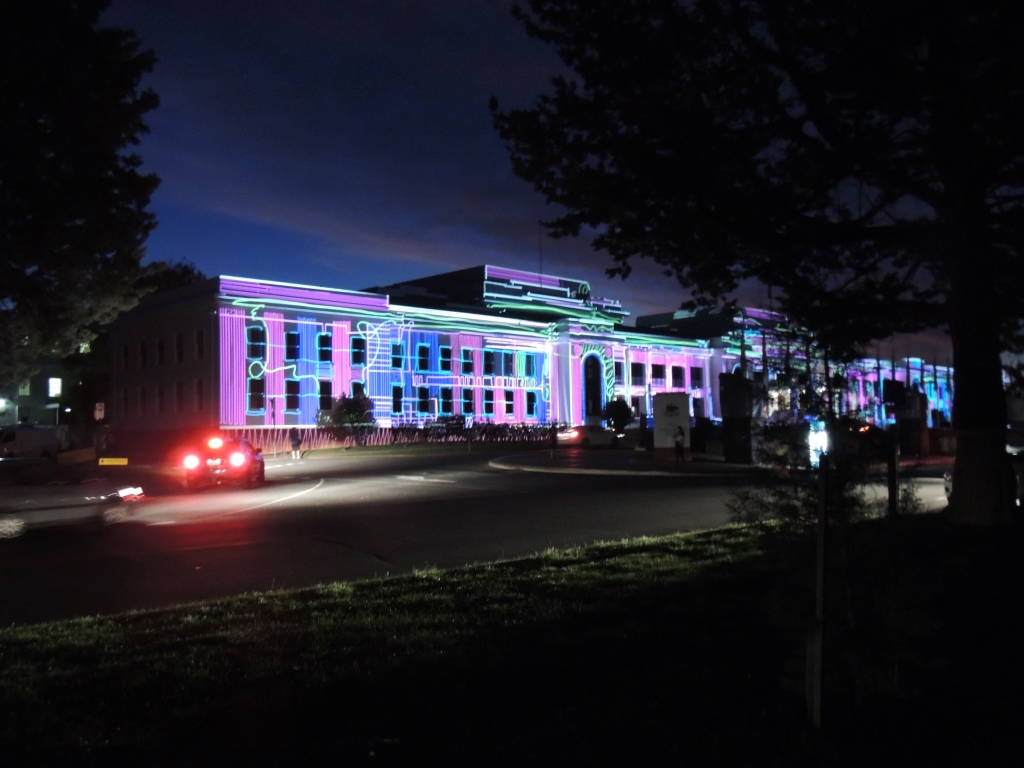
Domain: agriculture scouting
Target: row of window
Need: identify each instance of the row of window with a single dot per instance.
(176, 351)
(446, 401)
(638, 375)
(167, 398)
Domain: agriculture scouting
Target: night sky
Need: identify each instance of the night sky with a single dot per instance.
(349, 144)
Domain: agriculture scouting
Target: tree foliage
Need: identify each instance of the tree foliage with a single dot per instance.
(73, 201)
(866, 159)
(618, 414)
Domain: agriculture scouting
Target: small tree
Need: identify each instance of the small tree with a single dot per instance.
(352, 416)
(618, 413)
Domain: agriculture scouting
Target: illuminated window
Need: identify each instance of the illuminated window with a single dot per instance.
(53, 387)
(446, 399)
(142, 354)
(396, 398)
(291, 394)
(291, 346)
(25, 388)
(257, 395)
(510, 402)
(677, 377)
(696, 378)
(200, 395)
(397, 354)
(161, 352)
(358, 350)
(255, 342)
(326, 398)
(488, 402)
(324, 347)
(529, 365)
(179, 396)
(619, 377)
(531, 404)
(445, 359)
(468, 405)
(488, 362)
(423, 357)
(179, 348)
(200, 346)
(423, 399)
(467, 361)
(358, 389)
(657, 374)
(637, 373)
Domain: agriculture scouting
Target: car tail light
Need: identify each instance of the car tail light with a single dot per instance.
(191, 461)
(237, 459)
(215, 443)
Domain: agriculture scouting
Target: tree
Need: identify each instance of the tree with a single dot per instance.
(618, 413)
(73, 215)
(864, 159)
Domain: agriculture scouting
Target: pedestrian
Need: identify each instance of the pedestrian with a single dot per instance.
(296, 438)
(680, 441)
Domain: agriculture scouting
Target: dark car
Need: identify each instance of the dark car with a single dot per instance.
(63, 501)
(224, 460)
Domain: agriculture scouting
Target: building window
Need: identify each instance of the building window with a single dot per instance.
(179, 348)
(529, 365)
(677, 377)
(508, 364)
(488, 402)
(161, 353)
(696, 378)
(619, 377)
(291, 394)
(200, 346)
(54, 387)
(658, 374)
(324, 347)
(159, 398)
(423, 399)
(510, 402)
(358, 350)
(488, 362)
(396, 398)
(257, 395)
(255, 342)
(200, 392)
(326, 402)
(468, 405)
(637, 374)
(142, 354)
(358, 389)
(446, 399)
(445, 359)
(291, 345)
(25, 388)
(467, 361)
(179, 396)
(531, 404)
(397, 354)
(423, 357)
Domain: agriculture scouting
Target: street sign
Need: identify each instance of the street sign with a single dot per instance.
(97, 412)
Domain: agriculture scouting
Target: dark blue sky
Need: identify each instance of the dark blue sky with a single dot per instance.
(348, 143)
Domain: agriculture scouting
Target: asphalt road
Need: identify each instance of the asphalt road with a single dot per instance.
(351, 517)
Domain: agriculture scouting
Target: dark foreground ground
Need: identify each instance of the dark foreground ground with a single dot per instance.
(683, 650)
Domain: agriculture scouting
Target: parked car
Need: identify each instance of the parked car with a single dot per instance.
(27, 441)
(587, 436)
(224, 461)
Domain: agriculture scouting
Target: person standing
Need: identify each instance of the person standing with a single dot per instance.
(296, 440)
(680, 442)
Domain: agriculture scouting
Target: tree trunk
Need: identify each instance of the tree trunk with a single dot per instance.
(982, 492)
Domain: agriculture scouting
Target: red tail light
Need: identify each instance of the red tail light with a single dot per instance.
(237, 459)
(191, 461)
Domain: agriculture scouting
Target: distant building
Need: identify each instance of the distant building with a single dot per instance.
(494, 345)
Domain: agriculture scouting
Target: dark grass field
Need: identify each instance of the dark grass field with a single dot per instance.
(682, 650)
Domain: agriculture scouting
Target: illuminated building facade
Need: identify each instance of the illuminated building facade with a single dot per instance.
(491, 344)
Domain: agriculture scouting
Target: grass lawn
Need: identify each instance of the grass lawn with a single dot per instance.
(681, 650)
